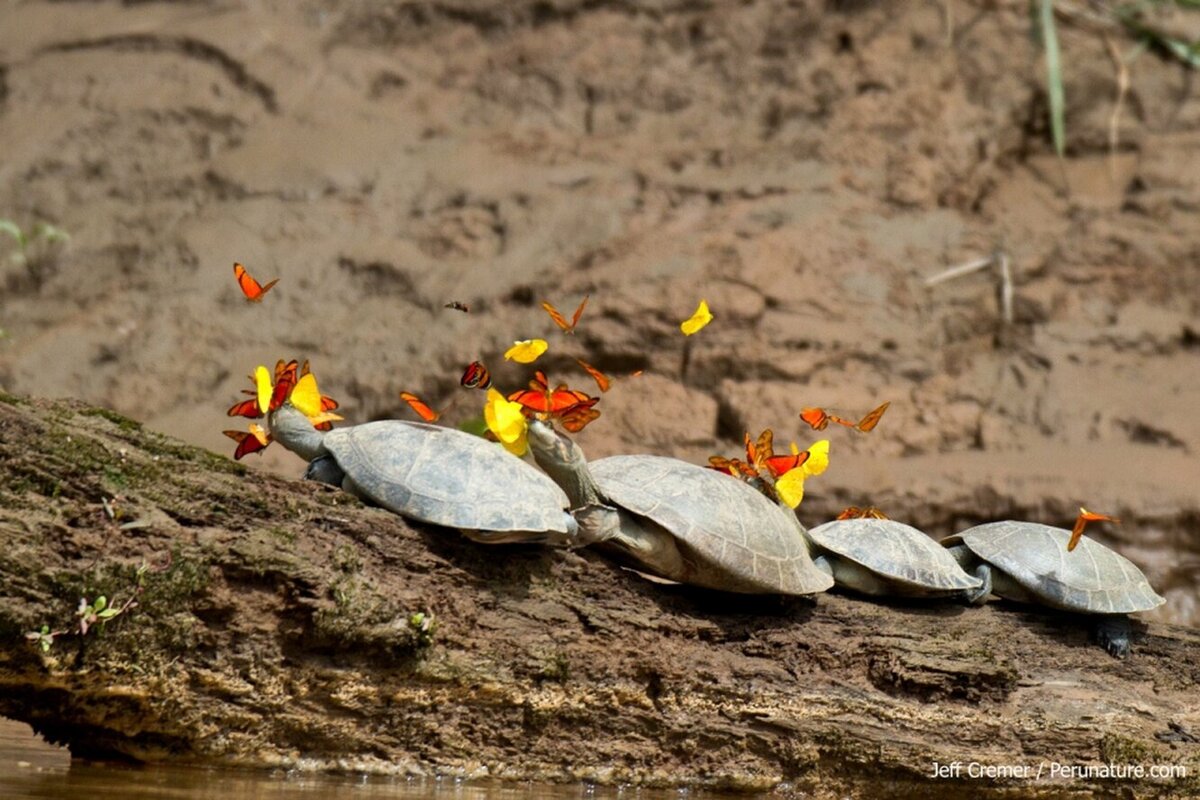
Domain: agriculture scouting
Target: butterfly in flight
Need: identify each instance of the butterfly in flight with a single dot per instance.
(605, 382)
(560, 320)
(420, 406)
(457, 306)
(701, 317)
(526, 351)
(476, 376)
(253, 441)
(818, 419)
(252, 289)
(1081, 522)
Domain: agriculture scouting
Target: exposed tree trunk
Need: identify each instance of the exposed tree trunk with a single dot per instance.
(275, 624)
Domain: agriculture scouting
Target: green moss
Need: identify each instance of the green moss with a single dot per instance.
(124, 423)
(12, 399)
(156, 444)
(1118, 749)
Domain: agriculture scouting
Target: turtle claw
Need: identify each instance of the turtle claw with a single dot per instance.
(1112, 633)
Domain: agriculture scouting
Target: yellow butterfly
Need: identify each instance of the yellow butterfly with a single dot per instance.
(697, 320)
(507, 420)
(790, 485)
(526, 351)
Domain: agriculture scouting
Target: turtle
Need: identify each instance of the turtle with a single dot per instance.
(433, 474)
(883, 557)
(679, 521)
(1029, 562)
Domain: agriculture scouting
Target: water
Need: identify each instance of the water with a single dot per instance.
(30, 768)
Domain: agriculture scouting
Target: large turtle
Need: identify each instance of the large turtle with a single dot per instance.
(433, 474)
(1029, 562)
(883, 557)
(679, 521)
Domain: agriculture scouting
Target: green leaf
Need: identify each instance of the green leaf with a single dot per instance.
(1054, 84)
(13, 230)
(108, 613)
(99, 605)
(51, 233)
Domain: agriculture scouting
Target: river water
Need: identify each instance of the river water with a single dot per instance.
(30, 768)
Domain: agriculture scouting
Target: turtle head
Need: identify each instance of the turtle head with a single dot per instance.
(292, 429)
(564, 462)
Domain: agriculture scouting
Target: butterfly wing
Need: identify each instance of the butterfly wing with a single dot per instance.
(816, 418)
(246, 408)
(779, 465)
(248, 442)
(602, 380)
(252, 289)
(420, 406)
(868, 423)
(577, 417)
(558, 318)
(1081, 522)
(476, 376)
(701, 317)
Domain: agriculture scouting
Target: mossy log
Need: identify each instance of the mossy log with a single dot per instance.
(284, 623)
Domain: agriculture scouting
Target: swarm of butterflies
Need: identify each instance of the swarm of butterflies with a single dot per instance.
(778, 476)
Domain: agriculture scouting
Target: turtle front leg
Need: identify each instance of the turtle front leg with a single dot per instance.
(1113, 632)
(324, 469)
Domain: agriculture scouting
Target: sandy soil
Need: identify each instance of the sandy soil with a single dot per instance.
(802, 166)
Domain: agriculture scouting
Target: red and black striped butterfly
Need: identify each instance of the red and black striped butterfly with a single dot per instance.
(476, 376)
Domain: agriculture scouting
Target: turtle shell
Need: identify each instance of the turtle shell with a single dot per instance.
(894, 551)
(740, 539)
(446, 477)
(1091, 578)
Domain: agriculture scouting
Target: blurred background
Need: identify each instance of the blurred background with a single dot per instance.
(805, 167)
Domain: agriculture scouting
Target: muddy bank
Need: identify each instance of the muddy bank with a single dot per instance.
(275, 625)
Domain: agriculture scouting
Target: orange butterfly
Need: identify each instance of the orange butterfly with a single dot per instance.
(286, 376)
(560, 320)
(576, 418)
(457, 306)
(854, 512)
(603, 381)
(253, 441)
(540, 399)
(819, 419)
(743, 471)
(1081, 522)
(253, 290)
(762, 455)
(476, 376)
(246, 408)
(420, 406)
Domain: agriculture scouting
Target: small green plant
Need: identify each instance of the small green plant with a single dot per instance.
(1136, 19)
(424, 626)
(89, 615)
(35, 250)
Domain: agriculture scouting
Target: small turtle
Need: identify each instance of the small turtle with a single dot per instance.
(433, 474)
(883, 557)
(680, 521)
(1029, 562)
